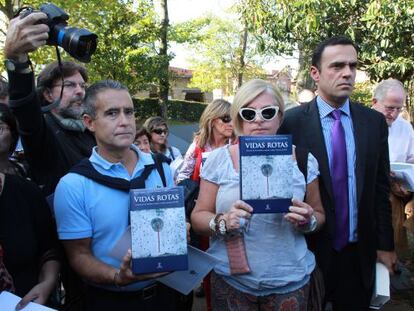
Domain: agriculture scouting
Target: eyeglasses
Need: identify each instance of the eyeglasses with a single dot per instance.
(72, 85)
(3, 129)
(266, 113)
(160, 131)
(392, 109)
(225, 119)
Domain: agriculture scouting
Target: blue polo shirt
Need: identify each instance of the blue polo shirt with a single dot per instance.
(86, 209)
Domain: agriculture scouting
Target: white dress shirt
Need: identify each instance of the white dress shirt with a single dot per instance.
(401, 141)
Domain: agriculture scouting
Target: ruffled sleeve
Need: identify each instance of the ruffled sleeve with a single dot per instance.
(216, 165)
(187, 167)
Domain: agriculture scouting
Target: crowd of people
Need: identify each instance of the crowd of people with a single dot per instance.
(65, 204)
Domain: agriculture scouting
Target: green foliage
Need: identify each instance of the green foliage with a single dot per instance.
(127, 32)
(386, 49)
(189, 32)
(383, 30)
(218, 55)
(180, 110)
(363, 93)
(146, 107)
(129, 36)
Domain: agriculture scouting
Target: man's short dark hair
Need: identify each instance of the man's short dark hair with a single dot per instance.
(92, 92)
(318, 51)
(48, 76)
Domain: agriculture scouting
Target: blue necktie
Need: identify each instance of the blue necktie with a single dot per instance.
(339, 176)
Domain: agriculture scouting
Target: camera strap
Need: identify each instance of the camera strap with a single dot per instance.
(60, 70)
(56, 103)
(49, 107)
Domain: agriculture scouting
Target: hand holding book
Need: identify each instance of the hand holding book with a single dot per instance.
(238, 210)
(126, 276)
(38, 294)
(301, 216)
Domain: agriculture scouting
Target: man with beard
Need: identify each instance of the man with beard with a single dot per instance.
(53, 136)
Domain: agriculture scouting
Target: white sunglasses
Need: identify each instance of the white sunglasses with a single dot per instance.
(266, 113)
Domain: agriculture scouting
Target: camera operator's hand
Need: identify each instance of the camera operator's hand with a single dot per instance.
(24, 36)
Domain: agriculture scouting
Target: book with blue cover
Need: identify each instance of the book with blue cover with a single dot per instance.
(158, 230)
(266, 172)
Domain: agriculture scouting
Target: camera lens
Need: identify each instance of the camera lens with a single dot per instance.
(78, 42)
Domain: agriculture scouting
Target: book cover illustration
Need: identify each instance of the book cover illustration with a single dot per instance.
(158, 230)
(266, 172)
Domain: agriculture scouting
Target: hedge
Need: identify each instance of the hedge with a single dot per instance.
(179, 110)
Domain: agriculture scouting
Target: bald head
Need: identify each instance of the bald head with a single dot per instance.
(305, 96)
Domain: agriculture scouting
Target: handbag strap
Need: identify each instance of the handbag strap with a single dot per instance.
(198, 154)
(171, 153)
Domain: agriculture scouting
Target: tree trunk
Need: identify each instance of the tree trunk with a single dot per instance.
(303, 79)
(8, 7)
(164, 78)
(243, 44)
(409, 86)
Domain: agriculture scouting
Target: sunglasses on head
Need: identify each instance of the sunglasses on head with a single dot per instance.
(225, 119)
(160, 131)
(266, 113)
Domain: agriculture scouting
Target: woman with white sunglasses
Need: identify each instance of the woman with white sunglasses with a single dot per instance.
(278, 260)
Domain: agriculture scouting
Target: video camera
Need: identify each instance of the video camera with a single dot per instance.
(80, 43)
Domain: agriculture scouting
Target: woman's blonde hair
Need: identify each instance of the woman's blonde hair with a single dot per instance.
(247, 93)
(217, 108)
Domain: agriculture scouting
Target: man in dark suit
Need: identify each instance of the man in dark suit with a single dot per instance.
(350, 144)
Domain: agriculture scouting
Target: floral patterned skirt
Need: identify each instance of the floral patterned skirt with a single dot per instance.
(227, 298)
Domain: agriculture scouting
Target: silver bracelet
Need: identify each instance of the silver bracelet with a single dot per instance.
(212, 224)
(310, 226)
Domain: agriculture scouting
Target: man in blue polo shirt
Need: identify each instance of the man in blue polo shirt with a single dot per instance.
(91, 217)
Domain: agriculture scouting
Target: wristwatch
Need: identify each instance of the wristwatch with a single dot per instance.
(217, 224)
(222, 226)
(14, 66)
(212, 224)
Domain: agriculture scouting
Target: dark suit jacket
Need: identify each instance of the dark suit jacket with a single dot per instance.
(372, 182)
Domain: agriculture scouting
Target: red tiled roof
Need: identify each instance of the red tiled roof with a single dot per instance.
(181, 71)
